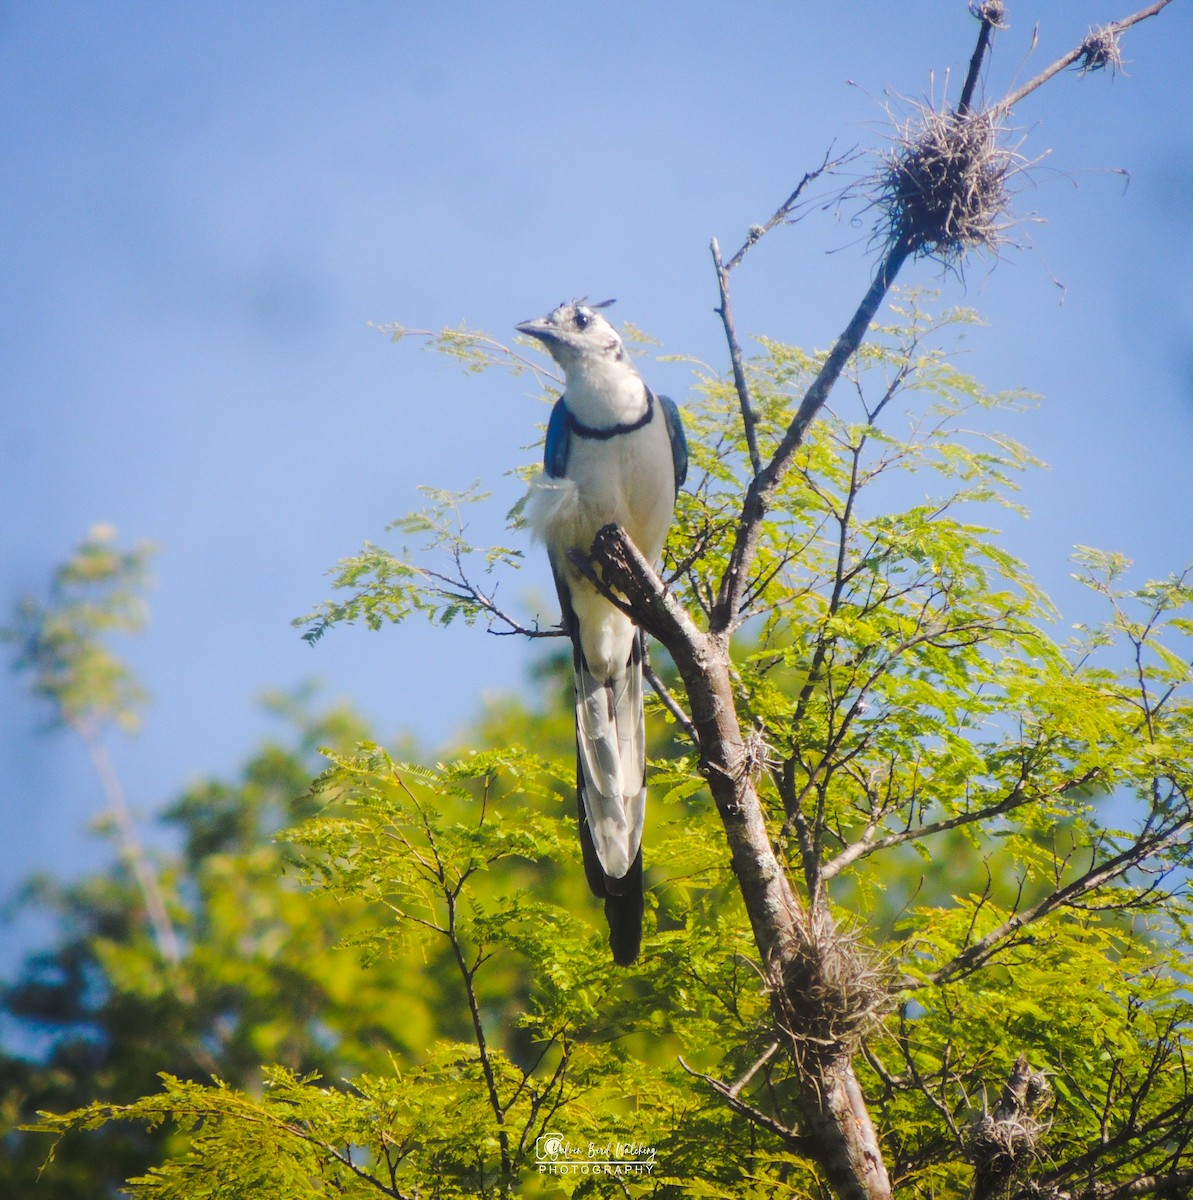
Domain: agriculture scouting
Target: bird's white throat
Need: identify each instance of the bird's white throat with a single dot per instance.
(604, 391)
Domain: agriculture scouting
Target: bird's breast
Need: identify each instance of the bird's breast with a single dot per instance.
(627, 480)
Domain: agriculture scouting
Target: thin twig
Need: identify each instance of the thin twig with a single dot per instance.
(784, 211)
(462, 590)
(725, 312)
(791, 1137)
(478, 1028)
(1019, 796)
(134, 852)
(753, 1069)
(670, 703)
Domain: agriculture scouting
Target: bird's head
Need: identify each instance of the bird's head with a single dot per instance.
(577, 336)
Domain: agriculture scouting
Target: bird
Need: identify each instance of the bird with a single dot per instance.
(615, 453)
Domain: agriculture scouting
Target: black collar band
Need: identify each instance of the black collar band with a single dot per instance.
(612, 431)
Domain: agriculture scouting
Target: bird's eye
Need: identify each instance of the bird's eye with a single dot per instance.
(583, 316)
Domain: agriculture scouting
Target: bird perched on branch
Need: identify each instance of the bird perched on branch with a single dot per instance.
(615, 454)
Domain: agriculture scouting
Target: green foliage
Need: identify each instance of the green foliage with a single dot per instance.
(473, 351)
(998, 816)
(387, 588)
(95, 593)
(263, 978)
(1106, 1014)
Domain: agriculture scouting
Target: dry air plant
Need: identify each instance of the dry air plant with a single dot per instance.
(944, 185)
(1101, 51)
(829, 992)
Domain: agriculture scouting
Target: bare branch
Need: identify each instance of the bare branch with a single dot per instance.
(725, 311)
(980, 951)
(461, 590)
(866, 846)
(729, 1092)
(1173, 1183)
(670, 703)
(785, 210)
(990, 14)
(757, 500)
(130, 844)
(1005, 105)
(728, 605)
(754, 1068)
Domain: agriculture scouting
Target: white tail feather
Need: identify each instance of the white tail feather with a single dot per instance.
(611, 742)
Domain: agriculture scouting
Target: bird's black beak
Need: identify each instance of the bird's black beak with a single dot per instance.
(539, 329)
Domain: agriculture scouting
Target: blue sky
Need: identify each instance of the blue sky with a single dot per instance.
(207, 207)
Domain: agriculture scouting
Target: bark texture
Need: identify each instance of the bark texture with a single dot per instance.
(800, 949)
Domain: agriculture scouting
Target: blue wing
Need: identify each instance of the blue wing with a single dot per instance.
(559, 441)
(679, 443)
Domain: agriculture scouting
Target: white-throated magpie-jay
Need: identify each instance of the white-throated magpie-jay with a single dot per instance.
(615, 454)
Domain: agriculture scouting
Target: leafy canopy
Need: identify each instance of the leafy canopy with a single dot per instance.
(998, 816)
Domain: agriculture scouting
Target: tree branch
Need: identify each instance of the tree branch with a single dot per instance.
(841, 1137)
(784, 211)
(467, 975)
(134, 852)
(670, 703)
(989, 15)
(790, 1138)
(1174, 1183)
(460, 589)
(725, 311)
(1004, 106)
(864, 847)
(757, 501)
(1163, 1125)
(974, 955)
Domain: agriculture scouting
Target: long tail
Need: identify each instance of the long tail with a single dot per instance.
(611, 794)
